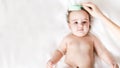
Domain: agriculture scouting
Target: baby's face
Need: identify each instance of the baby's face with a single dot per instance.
(79, 23)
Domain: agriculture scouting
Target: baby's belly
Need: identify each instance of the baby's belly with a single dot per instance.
(80, 60)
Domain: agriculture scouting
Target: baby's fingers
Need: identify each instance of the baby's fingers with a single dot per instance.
(49, 65)
(116, 66)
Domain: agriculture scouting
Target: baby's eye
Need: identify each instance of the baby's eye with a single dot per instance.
(84, 22)
(76, 22)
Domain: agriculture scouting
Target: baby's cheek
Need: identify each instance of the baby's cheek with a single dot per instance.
(86, 28)
(74, 28)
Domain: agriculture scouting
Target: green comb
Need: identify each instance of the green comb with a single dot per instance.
(75, 7)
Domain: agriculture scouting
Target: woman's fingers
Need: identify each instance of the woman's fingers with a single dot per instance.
(88, 4)
(91, 8)
(87, 8)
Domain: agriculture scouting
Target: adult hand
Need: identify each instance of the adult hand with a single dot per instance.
(92, 9)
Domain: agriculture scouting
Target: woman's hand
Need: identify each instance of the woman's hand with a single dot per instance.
(92, 9)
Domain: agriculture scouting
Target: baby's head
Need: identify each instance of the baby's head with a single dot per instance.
(79, 21)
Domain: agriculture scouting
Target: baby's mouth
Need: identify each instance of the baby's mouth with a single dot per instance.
(80, 30)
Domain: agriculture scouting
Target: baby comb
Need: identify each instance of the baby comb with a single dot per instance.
(75, 7)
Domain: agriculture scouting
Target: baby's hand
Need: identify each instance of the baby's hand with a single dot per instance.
(92, 9)
(116, 66)
(49, 64)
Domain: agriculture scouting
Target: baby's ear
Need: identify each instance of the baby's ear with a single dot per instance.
(90, 26)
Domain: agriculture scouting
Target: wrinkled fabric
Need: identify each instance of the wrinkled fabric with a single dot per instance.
(30, 30)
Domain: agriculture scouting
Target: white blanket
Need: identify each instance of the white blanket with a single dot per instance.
(30, 30)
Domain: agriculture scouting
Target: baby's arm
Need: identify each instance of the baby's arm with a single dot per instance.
(55, 58)
(57, 55)
(103, 53)
(95, 12)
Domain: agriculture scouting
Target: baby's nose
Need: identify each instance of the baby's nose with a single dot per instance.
(80, 25)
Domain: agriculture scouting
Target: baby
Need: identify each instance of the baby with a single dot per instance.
(80, 45)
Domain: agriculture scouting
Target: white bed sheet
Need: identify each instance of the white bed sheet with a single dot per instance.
(30, 30)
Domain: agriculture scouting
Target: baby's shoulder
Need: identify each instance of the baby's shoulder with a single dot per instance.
(67, 37)
(93, 37)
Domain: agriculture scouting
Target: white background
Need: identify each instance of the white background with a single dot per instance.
(30, 30)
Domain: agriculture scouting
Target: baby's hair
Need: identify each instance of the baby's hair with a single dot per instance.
(69, 11)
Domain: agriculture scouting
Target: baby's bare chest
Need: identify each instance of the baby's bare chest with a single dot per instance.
(81, 45)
